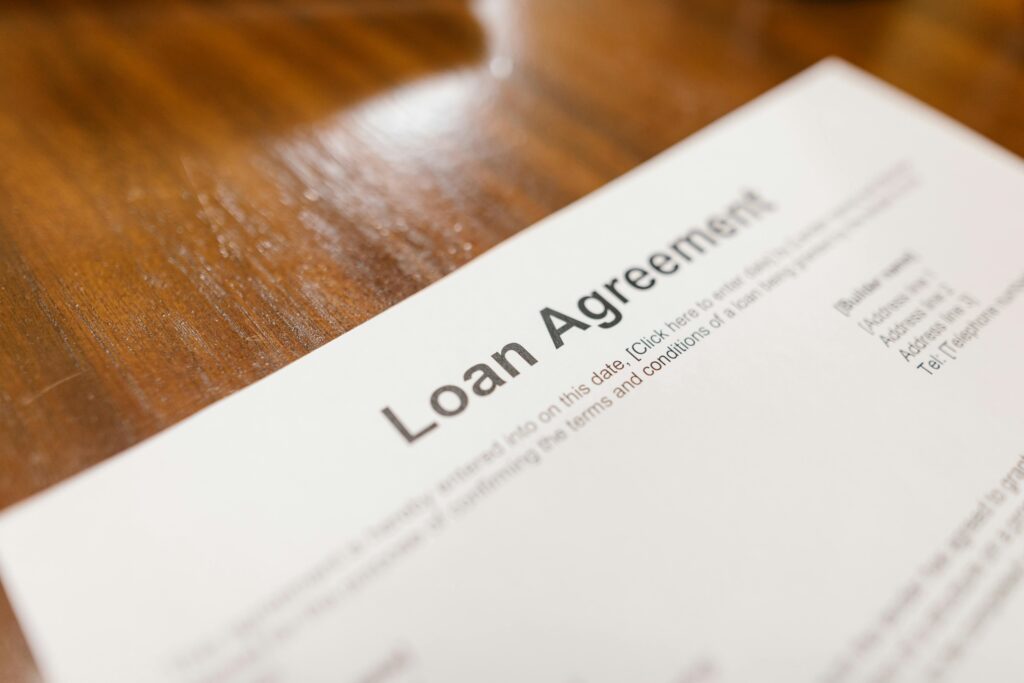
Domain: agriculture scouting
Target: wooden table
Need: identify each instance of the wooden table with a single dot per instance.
(194, 194)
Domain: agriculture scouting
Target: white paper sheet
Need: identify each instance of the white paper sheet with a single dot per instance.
(763, 423)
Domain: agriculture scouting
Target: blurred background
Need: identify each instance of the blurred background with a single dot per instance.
(193, 194)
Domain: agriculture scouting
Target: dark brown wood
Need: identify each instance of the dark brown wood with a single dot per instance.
(194, 194)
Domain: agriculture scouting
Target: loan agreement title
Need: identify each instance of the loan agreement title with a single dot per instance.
(602, 307)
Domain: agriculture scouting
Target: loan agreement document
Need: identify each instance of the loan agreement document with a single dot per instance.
(752, 412)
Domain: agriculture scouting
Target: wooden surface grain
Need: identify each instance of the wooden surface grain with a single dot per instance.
(194, 194)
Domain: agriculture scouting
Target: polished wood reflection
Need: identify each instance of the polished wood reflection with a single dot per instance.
(193, 194)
